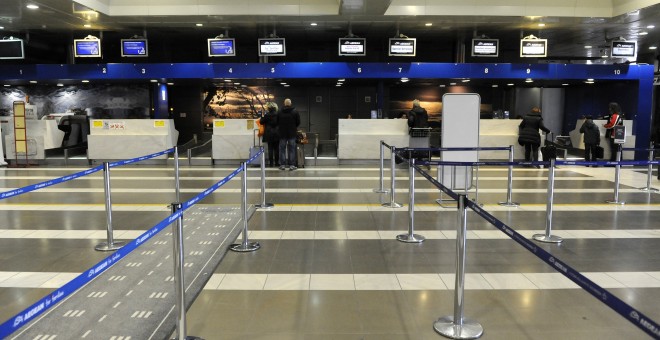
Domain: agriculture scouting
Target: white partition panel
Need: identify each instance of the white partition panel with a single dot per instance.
(460, 129)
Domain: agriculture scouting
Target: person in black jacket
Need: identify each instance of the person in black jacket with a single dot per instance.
(417, 117)
(529, 136)
(591, 139)
(288, 120)
(271, 135)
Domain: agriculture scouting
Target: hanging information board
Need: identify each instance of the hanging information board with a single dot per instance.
(485, 47)
(403, 47)
(534, 48)
(352, 46)
(624, 49)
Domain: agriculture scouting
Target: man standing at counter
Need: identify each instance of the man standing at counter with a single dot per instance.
(288, 120)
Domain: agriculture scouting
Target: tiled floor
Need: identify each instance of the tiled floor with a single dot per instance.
(330, 267)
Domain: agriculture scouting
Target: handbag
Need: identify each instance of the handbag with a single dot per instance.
(599, 152)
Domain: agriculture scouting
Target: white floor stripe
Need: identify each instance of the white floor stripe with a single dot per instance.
(417, 281)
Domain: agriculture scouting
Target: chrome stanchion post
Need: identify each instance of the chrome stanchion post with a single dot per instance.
(263, 204)
(411, 237)
(176, 174)
(380, 189)
(617, 177)
(509, 188)
(458, 327)
(189, 155)
(649, 172)
(111, 244)
(392, 204)
(547, 237)
(245, 245)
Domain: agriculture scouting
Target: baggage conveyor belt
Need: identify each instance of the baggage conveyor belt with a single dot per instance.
(134, 299)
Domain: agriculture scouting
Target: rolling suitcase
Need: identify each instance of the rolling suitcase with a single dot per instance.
(254, 149)
(300, 155)
(549, 150)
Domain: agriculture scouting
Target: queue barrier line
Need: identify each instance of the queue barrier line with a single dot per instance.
(485, 148)
(631, 314)
(29, 314)
(141, 158)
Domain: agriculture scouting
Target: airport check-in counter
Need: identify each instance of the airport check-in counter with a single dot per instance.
(232, 139)
(130, 138)
(577, 139)
(41, 135)
(360, 138)
(500, 133)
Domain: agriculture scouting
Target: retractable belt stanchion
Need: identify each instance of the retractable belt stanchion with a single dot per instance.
(458, 327)
(110, 243)
(263, 204)
(547, 237)
(176, 174)
(649, 173)
(179, 286)
(509, 187)
(392, 204)
(380, 189)
(245, 245)
(411, 237)
(617, 177)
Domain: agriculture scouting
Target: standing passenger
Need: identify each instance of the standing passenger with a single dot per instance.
(417, 117)
(288, 120)
(615, 118)
(271, 135)
(529, 135)
(591, 139)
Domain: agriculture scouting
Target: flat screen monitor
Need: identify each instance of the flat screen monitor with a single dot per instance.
(624, 49)
(134, 48)
(272, 47)
(87, 48)
(12, 49)
(403, 47)
(485, 47)
(352, 46)
(222, 47)
(533, 48)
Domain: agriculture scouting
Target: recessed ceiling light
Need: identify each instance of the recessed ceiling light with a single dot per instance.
(283, 83)
(494, 85)
(650, 27)
(33, 81)
(153, 80)
(564, 84)
(466, 80)
(2, 27)
(60, 84)
(510, 84)
(590, 79)
(643, 33)
(170, 84)
(452, 84)
(87, 25)
(6, 85)
(237, 83)
(85, 81)
(287, 85)
(32, 6)
(199, 25)
(313, 24)
(541, 24)
(442, 85)
(342, 79)
(589, 82)
(529, 80)
(653, 47)
(227, 80)
(338, 85)
(428, 24)
(587, 46)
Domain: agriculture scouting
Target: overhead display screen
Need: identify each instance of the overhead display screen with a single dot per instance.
(403, 47)
(352, 46)
(624, 49)
(272, 47)
(485, 47)
(12, 49)
(87, 48)
(533, 48)
(134, 48)
(222, 47)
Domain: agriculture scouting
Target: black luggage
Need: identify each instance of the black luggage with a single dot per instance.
(599, 152)
(300, 155)
(549, 150)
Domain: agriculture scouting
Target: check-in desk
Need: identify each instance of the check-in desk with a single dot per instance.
(360, 138)
(577, 139)
(232, 139)
(500, 133)
(41, 135)
(129, 138)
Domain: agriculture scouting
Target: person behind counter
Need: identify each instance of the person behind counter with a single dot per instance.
(528, 135)
(288, 120)
(417, 117)
(591, 139)
(615, 118)
(271, 135)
